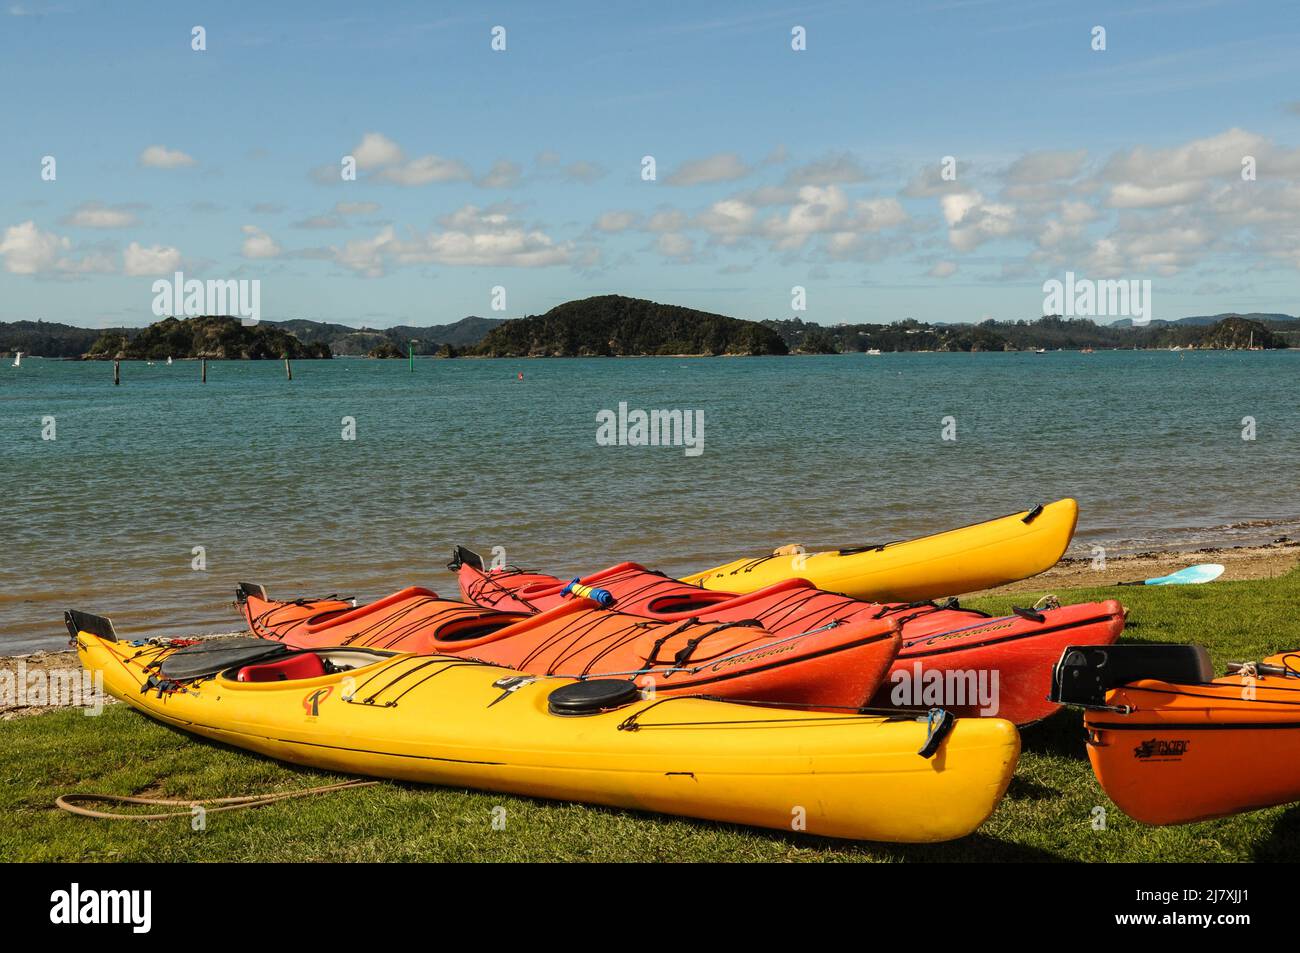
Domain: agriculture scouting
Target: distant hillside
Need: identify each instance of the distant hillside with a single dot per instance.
(463, 333)
(352, 342)
(46, 338)
(1266, 318)
(217, 338)
(613, 325)
(1051, 332)
(906, 335)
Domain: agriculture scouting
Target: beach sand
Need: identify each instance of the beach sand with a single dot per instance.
(1240, 562)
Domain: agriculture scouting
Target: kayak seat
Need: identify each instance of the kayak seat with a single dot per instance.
(1085, 673)
(306, 665)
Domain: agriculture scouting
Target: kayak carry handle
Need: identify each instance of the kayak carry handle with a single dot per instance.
(1031, 614)
(1033, 513)
(1261, 668)
(938, 725)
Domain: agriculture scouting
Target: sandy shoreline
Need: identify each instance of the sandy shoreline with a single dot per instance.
(1240, 562)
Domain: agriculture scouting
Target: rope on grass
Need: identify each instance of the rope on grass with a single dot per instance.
(67, 802)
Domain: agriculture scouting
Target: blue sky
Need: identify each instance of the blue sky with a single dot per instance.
(774, 167)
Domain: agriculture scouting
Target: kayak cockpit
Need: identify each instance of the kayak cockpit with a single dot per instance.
(301, 665)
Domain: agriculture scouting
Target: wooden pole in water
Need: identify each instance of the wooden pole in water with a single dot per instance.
(117, 373)
(288, 371)
(203, 370)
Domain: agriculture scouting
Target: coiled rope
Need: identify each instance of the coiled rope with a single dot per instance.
(67, 802)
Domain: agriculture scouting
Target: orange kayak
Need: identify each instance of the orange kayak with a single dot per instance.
(961, 659)
(829, 665)
(1171, 743)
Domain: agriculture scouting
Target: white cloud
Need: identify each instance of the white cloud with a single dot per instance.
(321, 222)
(366, 256)
(584, 172)
(29, 251)
(386, 162)
(617, 221)
(375, 150)
(1035, 168)
(929, 182)
(666, 220)
(943, 269)
(956, 206)
(160, 157)
(502, 175)
(95, 215)
(729, 218)
(1212, 157)
(258, 244)
(424, 170)
(471, 236)
(722, 167)
(837, 168)
(972, 220)
(153, 260)
(1129, 195)
(680, 248)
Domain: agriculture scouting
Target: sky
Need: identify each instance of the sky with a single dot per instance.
(937, 160)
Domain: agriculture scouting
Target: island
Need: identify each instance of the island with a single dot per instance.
(620, 326)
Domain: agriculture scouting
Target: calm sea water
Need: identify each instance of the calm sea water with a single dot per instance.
(824, 451)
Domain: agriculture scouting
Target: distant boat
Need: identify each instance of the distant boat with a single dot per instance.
(1086, 350)
(169, 359)
(18, 358)
(874, 352)
(1041, 350)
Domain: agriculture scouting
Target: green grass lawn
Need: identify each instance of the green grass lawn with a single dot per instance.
(1045, 816)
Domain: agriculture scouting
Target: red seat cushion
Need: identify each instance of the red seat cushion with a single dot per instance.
(307, 665)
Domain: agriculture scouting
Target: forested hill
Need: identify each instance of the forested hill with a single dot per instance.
(46, 338)
(217, 338)
(613, 326)
(348, 341)
(1051, 332)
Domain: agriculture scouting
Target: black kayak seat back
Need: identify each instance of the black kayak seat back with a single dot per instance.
(210, 657)
(246, 589)
(465, 556)
(1086, 672)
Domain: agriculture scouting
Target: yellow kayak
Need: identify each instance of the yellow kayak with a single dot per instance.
(456, 722)
(968, 559)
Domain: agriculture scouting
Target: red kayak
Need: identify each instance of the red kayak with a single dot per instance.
(964, 660)
(833, 663)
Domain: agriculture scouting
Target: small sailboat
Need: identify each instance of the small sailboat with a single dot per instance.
(18, 358)
(169, 360)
